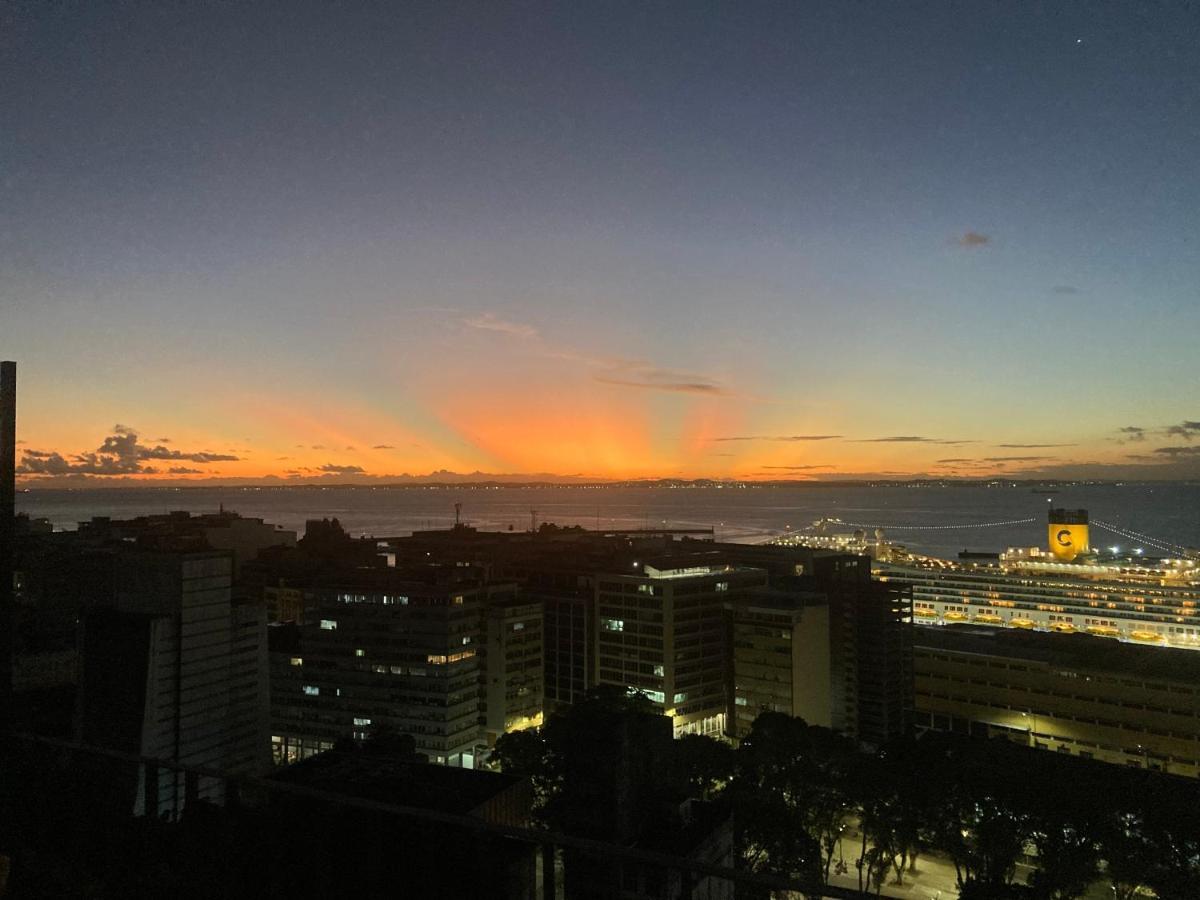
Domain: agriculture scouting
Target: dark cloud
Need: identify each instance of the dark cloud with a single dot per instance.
(659, 380)
(797, 468)
(119, 454)
(907, 439)
(162, 440)
(1179, 452)
(1031, 446)
(1132, 433)
(1016, 458)
(1186, 430)
(184, 470)
(973, 239)
(383, 447)
(783, 437)
(351, 449)
(1065, 289)
(333, 469)
(317, 447)
(957, 459)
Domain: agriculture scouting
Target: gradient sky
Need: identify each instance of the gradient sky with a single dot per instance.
(602, 239)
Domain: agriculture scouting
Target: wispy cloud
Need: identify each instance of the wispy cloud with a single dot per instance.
(782, 437)
(798, 468)
(1186, 430)
(1016, 458)
(631, 373)
(653, 379)
(489, 322)
(1031, 446)
(1179, 452)
(908, 439)
(1132, 433)
(383, 447)
(973, 239)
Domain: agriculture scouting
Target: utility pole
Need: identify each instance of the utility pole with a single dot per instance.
(8, 496)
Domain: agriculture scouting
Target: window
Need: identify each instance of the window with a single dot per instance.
(518, 626)
(656, 696)
(613, 624)
(297, 661)
(311, 690)
(457, 600)
(360, 652)
(722, 586)
(681, 697)
(328, 625)
(358, 721)
(740, 701)
(658, 670)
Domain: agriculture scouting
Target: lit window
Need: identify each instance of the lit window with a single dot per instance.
(457, 600)
(680, 697)
(658, 670)
(722, 586)
(518, 626)
(328, 625)
(613, 624)
(312, 690)
(297, 661)
(358, 721)
(360, 652)
(656, 696)
(740, 701)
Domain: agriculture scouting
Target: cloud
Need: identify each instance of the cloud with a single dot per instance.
(907, 439)
(957, 459)
(973, 239)
(119, 454)
(1016, 458)
(184, 470)
(782, 437)
(1186, 430)
(490, 322)
(1179, 452)
(1031, 446)
(316, 447)
(798, 468)
(162, 440)
(664, 380)
(342, 470)
(383, 447)
(1065, 289)
(351, 449)
(1132, 433)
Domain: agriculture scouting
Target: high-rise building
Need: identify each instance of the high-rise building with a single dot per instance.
(512, 663)
(172, 669)
(662, 631)
(780, 658)
(380, 651)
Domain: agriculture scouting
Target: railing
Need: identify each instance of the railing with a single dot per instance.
(547, 845)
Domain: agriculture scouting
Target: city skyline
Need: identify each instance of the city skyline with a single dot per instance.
(761, 242)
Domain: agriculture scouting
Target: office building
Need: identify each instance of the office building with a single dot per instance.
(1077, 694)
(780, 658)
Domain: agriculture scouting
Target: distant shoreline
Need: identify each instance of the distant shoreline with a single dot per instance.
(692, 484)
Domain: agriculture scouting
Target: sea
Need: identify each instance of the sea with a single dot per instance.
(939, 520)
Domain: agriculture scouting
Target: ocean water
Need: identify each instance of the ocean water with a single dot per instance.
(931, 519)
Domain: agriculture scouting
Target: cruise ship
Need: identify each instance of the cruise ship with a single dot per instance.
(1065, 588)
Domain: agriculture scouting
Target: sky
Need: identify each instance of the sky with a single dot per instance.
(355, 241)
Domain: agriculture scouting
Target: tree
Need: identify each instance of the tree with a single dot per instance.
(703, 765)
